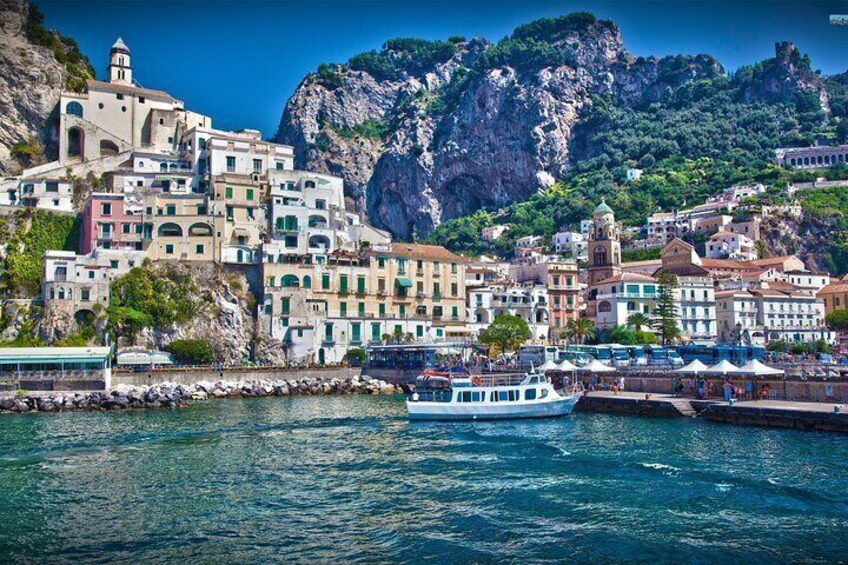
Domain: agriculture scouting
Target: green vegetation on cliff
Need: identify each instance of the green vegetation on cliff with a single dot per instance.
(65, 50)
(147, 297)
(37, 232)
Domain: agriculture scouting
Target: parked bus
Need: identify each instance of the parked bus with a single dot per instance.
(712, 354)
(657, 356)
(577, 358)
(536, 354)
(638, 357)
(620, 356)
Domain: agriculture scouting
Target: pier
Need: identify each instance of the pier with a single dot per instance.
(768, 413)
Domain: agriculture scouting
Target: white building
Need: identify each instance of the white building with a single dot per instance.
(39, 192)
(526, 245)
(763, 315)
(493, 233)
(622, 295)
(729, 245)
(633, 174)
(529, 302)
(586, 226)
(571, 244)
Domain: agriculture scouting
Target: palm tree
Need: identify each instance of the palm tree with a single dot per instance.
(579, 330)
(637, 320)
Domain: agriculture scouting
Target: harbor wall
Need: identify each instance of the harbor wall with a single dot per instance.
(195, 375)
(811, 390)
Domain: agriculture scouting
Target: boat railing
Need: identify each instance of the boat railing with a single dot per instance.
(504, 379)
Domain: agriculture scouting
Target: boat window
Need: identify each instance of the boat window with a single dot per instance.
(477, 396)
(494, 397)
(544, 393)
(530, 394)
(503, 396)
(466, 396)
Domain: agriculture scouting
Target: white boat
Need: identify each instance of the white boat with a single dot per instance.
(464, 397)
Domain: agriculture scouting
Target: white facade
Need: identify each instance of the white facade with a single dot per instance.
(493, 233)
(586, 226)
(529, 302)
(633, 174)
(697, 307)
(526, 245)
(48, 194)
(571, 244)
(623, 295)
(765, 315)
(729, 245)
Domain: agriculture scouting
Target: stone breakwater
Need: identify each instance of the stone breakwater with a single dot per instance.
(173, 395)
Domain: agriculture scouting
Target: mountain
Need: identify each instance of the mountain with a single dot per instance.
(36, 64)
(428, 131)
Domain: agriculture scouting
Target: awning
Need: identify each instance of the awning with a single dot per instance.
(403, 283)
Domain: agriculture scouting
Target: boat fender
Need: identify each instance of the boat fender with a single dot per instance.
(476, 381)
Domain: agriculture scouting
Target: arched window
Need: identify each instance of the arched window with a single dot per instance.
(173, 167)
(200, 230)
(76, 143)
(600, 257)
(307, 282)
(108, 148)
(289, 280)
(792, 161)
(604, 306)
(806, 161)
(163, 167)
(309, 184)
(170, 230)
(74, 108)
(61, 293)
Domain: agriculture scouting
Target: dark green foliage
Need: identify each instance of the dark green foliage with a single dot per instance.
(838, 320)
(667, 312)
(507, 332)
(146, 297)
(322, 142)
(355, 356)
(403, 55)
(29, 152)
(329, 76)
(192, 351)
(22, 269)
(621, 335)
(525, 55)
(65, 50)
(27, 334)
(554, 29)
(372, 129)
(640, 254)
(829, 207)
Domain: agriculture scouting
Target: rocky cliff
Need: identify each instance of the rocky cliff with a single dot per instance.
(35, 66)
(423, 138)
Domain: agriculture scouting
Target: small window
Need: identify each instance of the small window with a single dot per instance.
(530, 394)
(123, 108)
(169, 249)
(200, 249)
(100, 105)
(119, 96)
(141, 99)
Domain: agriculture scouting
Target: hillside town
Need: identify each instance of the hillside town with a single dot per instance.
(174, 189)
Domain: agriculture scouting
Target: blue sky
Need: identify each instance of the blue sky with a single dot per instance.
(240, 61)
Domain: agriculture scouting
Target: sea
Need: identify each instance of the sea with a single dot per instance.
(350, 480)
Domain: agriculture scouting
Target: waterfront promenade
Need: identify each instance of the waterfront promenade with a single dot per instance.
(771, 413)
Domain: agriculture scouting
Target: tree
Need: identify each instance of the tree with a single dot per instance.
(667, 313)
(508, 332)
(355, 356)
(645, 338)
(579, 330)
(637, 321)
(621, 335)
(192, 351)
(838, 320)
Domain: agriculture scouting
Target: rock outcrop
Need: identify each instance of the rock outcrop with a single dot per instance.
(491, 124)
(31, 80)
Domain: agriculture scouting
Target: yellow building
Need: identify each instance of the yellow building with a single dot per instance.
(178, 227)
(240, 204)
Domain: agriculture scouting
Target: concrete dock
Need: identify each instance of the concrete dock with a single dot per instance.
(769, 413)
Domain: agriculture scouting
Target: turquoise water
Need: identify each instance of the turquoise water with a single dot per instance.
(348, 479)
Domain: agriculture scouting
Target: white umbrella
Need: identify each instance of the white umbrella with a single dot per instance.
(694, 367)
(547, 366)
(758, 369)
(722, 368)
(596, 367)
(565, 366)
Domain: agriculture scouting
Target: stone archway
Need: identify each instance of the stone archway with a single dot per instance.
(76, 143)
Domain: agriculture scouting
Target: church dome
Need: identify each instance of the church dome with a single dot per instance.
(603, 208)
(119, 45)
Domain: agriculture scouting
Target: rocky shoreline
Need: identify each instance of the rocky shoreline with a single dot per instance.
(174, 395)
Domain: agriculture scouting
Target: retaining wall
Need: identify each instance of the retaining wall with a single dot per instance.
(192, 376)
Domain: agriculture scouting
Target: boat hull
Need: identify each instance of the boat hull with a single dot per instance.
(513, 411)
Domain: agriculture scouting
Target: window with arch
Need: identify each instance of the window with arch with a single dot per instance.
(307, 282)
(600, 256)
(604, 306)
(289, 280)
(309, 184)
(163, 167)
(74, 108)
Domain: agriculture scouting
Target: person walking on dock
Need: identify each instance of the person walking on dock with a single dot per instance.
(728, 390)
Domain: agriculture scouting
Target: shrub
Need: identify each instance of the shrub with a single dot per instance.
(355, 357)
(372, 129)
(192, 351)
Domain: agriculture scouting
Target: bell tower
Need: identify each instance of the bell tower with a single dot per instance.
(120, 70)
(604, 245)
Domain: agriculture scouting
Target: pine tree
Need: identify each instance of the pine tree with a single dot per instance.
(667, 312)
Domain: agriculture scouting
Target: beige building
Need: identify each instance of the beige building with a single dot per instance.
(320, 310)
(178, 227)
(240, 204)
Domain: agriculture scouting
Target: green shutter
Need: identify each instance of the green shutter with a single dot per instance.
(229, 192)
(250, 194)
(343, 283)
(360, 285)
(382, 310)
(375, 332)
(285, 305)
(325, 281)
(361, 309)
(343, 309)
(357, 335)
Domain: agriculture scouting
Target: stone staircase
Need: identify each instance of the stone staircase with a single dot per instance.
(684, 406)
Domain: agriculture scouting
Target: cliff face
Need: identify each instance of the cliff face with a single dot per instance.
(31, 80)
(488, 126)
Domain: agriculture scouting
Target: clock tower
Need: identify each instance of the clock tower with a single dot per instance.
(604, 245)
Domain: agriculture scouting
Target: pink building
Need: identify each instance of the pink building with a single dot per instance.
(111, 221)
